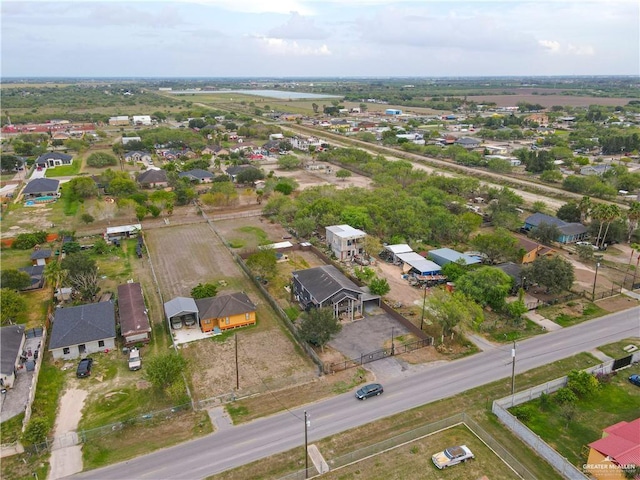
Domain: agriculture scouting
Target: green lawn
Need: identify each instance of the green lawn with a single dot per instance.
(615, 350)
(614, 402)
(65, 170)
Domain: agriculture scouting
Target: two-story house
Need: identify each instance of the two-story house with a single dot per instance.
(346, 242)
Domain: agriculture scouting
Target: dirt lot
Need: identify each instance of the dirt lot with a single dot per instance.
(267, 355)
(547, 98)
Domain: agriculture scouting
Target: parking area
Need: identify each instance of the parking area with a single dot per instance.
(14, 401)
(363, 336)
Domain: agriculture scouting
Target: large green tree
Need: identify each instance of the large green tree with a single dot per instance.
(499, 245)
(14, 279)
(318, 326)
(82, 187)
(546, 233)
(552, 272)
(487, 286)
(12, 305)
(450, 310)
(263, 263)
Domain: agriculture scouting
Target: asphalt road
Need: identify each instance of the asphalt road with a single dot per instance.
(261, 438)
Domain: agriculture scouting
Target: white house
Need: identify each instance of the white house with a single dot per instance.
(345, 241)
(126, 140)
(82, 330)
(120, 120)
(12, 343)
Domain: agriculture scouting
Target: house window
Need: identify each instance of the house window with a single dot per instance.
(226, 320)
(66, 350)
(247, 316)
(207, 321)
(100, 343)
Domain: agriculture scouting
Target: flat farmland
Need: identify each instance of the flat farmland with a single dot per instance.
(184, 256)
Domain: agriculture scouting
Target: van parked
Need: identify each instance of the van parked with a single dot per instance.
(135, 362)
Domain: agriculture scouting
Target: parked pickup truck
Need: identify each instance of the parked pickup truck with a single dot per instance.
(135, 362)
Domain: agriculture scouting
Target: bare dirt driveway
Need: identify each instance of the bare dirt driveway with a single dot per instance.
(66, 454)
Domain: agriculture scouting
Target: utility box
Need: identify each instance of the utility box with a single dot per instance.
(135, 361)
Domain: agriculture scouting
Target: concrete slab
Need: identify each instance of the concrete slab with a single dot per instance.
(543, 322)
(220, 418)
(317, 459)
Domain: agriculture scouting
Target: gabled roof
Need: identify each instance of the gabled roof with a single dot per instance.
(196, 173)
(131, 309)
(236, 169)
(512, 269)
(398, 248)
(468, 141)
(622, 443)
(136, 152)
(566, 228)
(33, 270)
(53, 155)
(38, 185)
(40, 254)
(324, 282)
(82, 324)
(10, 343)
(180, 306)
(153, 176)
(225, 305)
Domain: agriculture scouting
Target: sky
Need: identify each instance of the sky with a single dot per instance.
(318, 38)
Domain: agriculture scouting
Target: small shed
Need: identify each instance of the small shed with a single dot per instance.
(123, 231)
(41, 257)
(442, 256)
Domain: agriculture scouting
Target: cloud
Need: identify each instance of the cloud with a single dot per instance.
(298, 28)
(550, 45)
(259, 6)
(279, 46)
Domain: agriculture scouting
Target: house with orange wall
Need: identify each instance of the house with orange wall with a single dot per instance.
(618, 448)
(226, 311)
(532, 250)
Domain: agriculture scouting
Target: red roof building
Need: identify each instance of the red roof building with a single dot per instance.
(618, 447)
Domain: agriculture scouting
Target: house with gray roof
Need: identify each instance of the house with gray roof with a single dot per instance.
(36, 275)
(137, 156)
(153, 178)
(569, 232)
(41, 187)
(234, 170)
(591, 170)
(53, 159)
(468, 142)
(327, 287)
(197, 175)
(82, 330)
(41, 257)
(11, 346)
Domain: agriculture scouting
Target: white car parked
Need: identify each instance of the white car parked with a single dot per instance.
(451, 456)
(586, 244)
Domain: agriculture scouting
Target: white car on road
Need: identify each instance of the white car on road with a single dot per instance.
(451, 456)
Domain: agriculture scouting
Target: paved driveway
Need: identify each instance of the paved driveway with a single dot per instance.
(366, 335)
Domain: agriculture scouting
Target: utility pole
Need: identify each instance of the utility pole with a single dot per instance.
(424, 299)
(237, 370)
(513, 368)
(393, 348)
(595, 279)
(307, 423)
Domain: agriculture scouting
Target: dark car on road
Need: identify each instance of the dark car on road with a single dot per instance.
(84, 367)
(635, 379)
(369, 391)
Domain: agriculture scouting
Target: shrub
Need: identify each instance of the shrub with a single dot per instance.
(523, 412)
(101, 159)
(581, 383)
(565, 396)
(36, 431)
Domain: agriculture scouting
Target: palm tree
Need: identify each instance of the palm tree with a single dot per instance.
(54, 274)
(585, 206)
(598, 213)
(612, 213)
(633, 214)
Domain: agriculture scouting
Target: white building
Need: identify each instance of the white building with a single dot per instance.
(142, 120)
(345, 241)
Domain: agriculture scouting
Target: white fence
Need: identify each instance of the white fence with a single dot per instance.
(499, 408)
